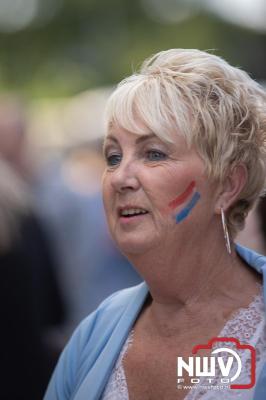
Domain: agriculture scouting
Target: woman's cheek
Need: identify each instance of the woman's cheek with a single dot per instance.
(181, 206)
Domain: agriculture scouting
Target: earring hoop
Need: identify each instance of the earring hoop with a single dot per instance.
(226, 233)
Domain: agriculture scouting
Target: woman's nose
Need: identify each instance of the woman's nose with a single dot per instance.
(125, 177)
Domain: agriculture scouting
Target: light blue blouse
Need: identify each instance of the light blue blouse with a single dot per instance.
(87, 361)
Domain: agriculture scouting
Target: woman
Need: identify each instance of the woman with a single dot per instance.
(185, 154)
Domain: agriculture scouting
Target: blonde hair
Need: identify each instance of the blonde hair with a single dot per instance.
(217, 107)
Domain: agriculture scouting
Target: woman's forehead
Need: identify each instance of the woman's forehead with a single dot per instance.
(142, 129)
(134, 126)
(117, 133)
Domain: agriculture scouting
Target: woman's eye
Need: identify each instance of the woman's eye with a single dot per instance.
(155, 155)
(113, 159)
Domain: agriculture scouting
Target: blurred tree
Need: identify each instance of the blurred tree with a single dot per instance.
(87, 43)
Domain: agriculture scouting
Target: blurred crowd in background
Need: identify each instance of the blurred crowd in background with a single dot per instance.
(58, 63)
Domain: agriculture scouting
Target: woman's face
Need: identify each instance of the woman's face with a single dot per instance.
(154, 192)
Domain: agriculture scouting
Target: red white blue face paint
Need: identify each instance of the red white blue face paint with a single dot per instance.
(182, 198)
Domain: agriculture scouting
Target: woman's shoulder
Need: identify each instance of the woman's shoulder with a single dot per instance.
(251, 257)
(91, 337)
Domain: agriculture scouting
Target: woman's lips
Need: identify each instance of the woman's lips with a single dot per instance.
(130, 208)
(132, 218)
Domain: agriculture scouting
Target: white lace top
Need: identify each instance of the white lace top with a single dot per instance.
(247, 325)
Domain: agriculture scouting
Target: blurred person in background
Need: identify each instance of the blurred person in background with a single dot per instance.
(261, 220)
(253, 235)
(14, 145)
(31, 305)
(185, 152)
(67, 202)
(70, 204)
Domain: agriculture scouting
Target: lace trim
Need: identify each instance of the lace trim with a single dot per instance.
(246, 324)
(116, 388)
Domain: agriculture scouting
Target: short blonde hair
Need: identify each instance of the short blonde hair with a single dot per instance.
(218, 108)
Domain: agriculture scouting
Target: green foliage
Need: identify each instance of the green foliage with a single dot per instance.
(90, 43)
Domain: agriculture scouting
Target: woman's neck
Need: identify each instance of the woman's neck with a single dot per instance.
(187, 284)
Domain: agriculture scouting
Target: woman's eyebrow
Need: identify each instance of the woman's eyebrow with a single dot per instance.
(139, 139)
(143, 138)
(110, 137)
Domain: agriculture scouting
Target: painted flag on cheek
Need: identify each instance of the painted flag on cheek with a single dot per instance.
(190, 202)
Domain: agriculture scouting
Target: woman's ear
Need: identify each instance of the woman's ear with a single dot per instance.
(231, 187)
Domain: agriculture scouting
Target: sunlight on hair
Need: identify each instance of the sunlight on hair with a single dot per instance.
(216, 107)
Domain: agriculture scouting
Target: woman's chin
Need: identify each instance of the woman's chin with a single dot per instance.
(134, 246)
